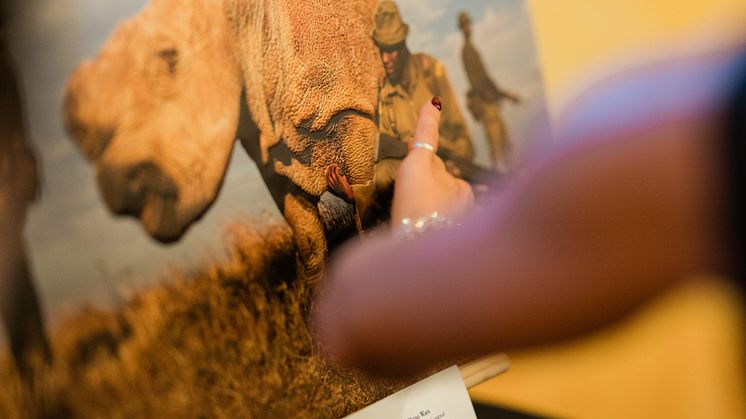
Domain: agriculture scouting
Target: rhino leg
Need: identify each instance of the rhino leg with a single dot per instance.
(310, 238)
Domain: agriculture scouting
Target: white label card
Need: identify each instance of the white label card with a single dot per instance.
(440, 396)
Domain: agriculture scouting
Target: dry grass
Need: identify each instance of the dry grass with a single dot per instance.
(230, 340)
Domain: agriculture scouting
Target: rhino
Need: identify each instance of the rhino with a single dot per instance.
(19, 186)
(157, 112)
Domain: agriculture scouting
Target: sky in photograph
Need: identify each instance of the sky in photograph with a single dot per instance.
(81, 253)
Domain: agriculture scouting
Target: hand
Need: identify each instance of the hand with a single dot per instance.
(338, 183)
(423, 185)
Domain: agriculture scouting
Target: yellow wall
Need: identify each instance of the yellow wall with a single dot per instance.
(573, 36)
(681, 356)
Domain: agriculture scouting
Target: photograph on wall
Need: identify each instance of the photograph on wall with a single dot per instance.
(175, 176)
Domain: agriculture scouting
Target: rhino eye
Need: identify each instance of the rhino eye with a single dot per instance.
(171, 57)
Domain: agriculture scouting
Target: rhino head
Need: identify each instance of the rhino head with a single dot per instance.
(156, 111)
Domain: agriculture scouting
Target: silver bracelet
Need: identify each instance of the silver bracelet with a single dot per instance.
(411, 228)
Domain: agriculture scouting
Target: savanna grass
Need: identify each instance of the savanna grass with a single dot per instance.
(228, 340)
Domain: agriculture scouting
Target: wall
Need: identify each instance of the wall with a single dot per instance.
(680, 356)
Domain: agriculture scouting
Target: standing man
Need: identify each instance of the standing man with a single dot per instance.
(484, 99)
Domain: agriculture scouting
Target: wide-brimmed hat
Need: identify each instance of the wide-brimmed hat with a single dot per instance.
(390, 30)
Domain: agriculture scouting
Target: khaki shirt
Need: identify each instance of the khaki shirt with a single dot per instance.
(399, 107)
(481, 83)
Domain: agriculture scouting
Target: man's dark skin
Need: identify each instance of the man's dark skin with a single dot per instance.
(394, 61)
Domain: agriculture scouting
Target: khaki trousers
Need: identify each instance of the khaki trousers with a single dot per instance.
(501, 149)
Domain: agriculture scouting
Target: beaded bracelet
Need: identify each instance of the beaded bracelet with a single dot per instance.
(411, 228)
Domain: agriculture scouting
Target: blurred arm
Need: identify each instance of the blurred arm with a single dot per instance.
(576, 243)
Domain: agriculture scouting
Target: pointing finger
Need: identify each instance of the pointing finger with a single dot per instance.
(427, 125)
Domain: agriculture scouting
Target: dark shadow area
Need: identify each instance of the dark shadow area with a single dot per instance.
(485, 411)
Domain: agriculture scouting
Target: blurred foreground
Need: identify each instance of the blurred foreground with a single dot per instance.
(229, 340)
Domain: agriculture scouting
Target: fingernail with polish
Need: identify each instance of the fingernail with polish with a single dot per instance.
(437, 102)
